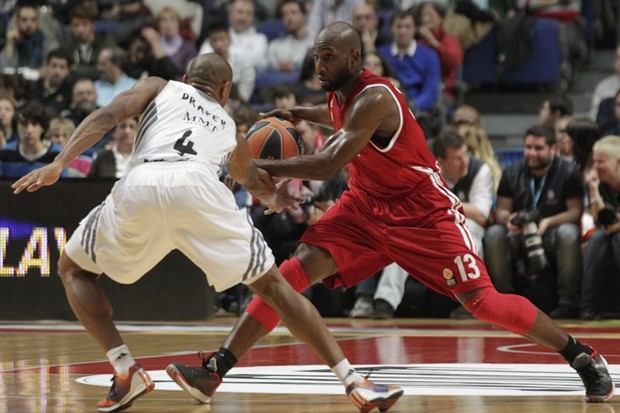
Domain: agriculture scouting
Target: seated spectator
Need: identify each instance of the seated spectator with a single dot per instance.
(309, 89)
(608, 116)
(417, 68)
(244, 39)
(554, 108)
(31, 150)
(83, 101)
(581, 133)
(179, 49)
(147, 57)
(114, 161)
(429, 19)
(465, 114)
(27, 45)
(479, 146)
(565, 144)
(84, 43)
(606, 87)
(551, 190)
(53, 89)
(59, 132)
(366, 22)
(112, 77)
(286, 53)
(244, 74)
(7, 114)
(131, 16)
(379, 66)
(602, 256)
(12, 88)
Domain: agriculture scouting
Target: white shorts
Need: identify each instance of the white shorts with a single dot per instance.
(159, 207)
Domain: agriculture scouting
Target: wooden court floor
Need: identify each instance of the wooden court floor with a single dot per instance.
(443, 365)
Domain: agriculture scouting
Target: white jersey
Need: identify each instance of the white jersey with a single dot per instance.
(184, 124)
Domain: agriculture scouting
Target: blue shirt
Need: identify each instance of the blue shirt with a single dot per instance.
(107, 91)
(14, 165)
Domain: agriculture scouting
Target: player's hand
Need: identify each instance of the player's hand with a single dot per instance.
(44, 176)
(280, 113)
(282, 200)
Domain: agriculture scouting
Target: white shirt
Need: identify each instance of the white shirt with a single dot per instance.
(604, 89)
(250, 44)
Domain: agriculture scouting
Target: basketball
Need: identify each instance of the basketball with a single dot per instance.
(274, 138)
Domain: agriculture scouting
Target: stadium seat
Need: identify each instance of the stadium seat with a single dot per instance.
(271, 28)
(507, 156)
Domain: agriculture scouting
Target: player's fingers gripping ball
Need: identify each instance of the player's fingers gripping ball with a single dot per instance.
(274, 138)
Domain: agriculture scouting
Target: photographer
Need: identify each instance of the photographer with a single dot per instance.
(542, 195)
(602, 256)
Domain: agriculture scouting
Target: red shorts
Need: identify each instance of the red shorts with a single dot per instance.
(423, 232)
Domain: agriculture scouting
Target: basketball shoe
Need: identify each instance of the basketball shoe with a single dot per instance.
(126, 389)
(592, 369)
(201, 382)
(367, 395)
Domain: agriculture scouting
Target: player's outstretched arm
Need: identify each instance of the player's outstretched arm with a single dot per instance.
(316, 114)
(91, 130)
(257, 181)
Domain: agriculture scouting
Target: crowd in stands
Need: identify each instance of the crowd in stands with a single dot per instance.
(61, 60)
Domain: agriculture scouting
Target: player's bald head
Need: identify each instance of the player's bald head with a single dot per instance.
(339, 35)
(209, 68)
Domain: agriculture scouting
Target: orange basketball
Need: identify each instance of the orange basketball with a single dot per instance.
(274, 138)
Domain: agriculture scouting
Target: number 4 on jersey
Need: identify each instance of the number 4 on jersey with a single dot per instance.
(183, 148)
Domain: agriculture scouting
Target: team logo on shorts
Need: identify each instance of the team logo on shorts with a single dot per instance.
(448, 275)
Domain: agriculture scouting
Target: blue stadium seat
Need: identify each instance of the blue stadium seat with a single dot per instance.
(542, 66)
(268, 79)
(271, 28)
(106, 26)
(507, 156)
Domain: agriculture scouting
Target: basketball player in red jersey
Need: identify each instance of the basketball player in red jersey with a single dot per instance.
(398, 209)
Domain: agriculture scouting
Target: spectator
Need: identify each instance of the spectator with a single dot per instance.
(7, 114)
(552, 189)
(83, 101)
(554, 108)
(379, 66)
(366, 22)
(327, 11)
(309, 89)
(113, 79)
(607, 87)
(12, 88)
(429, 18)
(147, 57)
(113, 162)
(465, 114)
(479, 146)
(59, 132)
(602, 256)
(244, 39)
(608, 116)
(85, 43)
(53, 89)
(32, 150)
(130, 16)
(565, 144)
(244, 74)
(26, 46)
(286, 53)
(180, 50)
(581, 133)
(417, 68)
(284, 97)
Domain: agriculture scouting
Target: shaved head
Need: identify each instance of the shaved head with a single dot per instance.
(209, 68)
(340, 35)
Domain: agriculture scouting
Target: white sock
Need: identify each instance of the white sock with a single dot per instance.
(121, 359)
(346, 373)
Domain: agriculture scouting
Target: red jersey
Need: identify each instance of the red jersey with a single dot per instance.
(386, 167)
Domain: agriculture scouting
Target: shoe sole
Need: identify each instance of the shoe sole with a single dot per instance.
(601, 399)
(383, 403)
(145, 387)
(179, 379)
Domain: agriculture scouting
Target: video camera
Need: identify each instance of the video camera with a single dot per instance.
(608, 216)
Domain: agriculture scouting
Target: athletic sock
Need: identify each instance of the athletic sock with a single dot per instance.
(121, 359)
(346, 373)
(573, 349)
(224, 361)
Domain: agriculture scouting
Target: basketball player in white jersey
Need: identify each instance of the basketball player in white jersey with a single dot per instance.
(171, 198)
